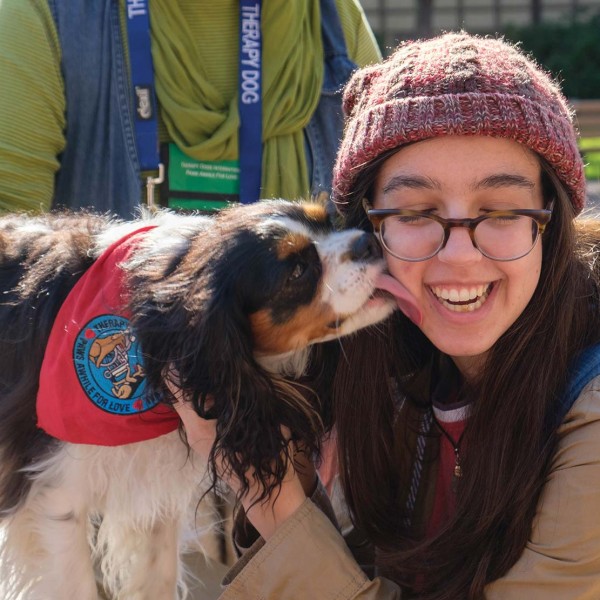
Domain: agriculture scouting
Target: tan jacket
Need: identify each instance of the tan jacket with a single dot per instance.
(307, 559)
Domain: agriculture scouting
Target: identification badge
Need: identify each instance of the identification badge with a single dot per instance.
(192, 184)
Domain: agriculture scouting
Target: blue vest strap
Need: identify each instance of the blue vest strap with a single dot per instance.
(585, 368)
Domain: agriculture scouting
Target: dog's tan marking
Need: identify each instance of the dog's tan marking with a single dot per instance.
(291, 243)
(315, 212)
(308, 323)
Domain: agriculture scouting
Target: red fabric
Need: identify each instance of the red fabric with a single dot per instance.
(444, 503)
(92, 382)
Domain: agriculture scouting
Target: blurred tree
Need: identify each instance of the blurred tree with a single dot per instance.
(569, 50)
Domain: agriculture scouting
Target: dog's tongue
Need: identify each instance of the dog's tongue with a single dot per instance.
(405, 300)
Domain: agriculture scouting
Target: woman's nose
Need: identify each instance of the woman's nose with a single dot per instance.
(460, 248)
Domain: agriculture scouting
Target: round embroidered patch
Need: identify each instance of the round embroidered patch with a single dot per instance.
(108, 363)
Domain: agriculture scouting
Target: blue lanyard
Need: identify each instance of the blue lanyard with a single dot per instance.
(250, 100)
(250, 94)
(142, 79)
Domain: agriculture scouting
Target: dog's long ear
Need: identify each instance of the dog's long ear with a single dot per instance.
(181, 302)
(199, 325)
(249, 404)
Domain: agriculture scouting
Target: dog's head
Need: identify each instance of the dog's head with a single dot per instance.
(233, 302)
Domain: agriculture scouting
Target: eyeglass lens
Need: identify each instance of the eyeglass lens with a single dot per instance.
(420, 237)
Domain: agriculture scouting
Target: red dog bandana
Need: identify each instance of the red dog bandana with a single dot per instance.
(92, 383)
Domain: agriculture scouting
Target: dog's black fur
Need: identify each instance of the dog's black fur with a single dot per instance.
(191, 303)
(37, 271)
(227, 309)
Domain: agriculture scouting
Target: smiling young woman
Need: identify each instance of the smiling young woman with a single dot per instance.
(460, 153)
(467, 300)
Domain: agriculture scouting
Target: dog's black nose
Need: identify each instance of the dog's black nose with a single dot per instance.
(365, 248)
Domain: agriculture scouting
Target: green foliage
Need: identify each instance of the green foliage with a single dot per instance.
(592, 159)
(569, 49)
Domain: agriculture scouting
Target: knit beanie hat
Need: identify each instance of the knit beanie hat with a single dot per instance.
(456, 84)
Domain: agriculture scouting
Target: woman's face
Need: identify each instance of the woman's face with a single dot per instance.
(459, 177)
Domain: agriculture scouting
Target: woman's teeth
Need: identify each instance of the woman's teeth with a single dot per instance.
(464, 299)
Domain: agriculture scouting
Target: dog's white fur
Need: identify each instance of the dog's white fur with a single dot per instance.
(132, 504)
(143, 493)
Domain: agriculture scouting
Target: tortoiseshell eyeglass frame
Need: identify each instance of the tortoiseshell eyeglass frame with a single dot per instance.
(376, 216)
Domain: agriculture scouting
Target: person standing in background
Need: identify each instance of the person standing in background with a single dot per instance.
(70, 132)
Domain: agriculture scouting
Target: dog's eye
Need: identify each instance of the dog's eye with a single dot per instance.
(298, 271)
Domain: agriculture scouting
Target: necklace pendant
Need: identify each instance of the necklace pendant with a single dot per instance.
(458, 471)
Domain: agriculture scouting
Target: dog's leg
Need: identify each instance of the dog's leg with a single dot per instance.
(155, 569)
(141, 563)
(64, 568)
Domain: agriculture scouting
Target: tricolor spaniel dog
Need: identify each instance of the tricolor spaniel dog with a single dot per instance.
(95, 316)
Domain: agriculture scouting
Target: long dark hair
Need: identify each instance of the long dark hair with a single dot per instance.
(510, 443)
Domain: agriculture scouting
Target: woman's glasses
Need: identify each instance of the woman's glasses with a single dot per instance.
(500, 235)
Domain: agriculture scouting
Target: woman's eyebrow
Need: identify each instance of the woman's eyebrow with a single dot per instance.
(497, 180)
(410, 181)
(505, 180)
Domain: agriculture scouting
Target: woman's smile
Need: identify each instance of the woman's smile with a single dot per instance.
(462, 298)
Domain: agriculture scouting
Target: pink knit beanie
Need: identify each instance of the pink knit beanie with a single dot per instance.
(456, 84)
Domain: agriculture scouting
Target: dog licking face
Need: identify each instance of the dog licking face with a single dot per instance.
(231, 303)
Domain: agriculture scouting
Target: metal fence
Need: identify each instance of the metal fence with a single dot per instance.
(396, 20)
